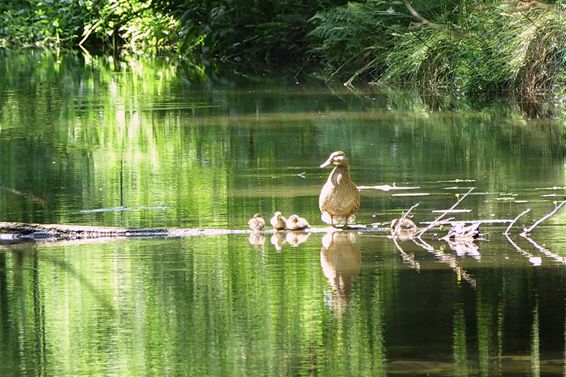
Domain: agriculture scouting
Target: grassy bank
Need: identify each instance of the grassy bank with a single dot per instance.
(464, 46)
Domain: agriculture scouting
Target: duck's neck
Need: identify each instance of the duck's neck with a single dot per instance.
(339, 173)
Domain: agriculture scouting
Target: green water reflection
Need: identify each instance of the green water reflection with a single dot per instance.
(145, 143)
(218, 306)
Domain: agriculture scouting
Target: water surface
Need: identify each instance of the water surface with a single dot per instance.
(148, 143)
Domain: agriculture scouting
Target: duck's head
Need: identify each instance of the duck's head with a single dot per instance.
(277, 214)
(337, 158)
(293, 218)
(257, 216)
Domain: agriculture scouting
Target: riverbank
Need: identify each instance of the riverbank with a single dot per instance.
(466, 47)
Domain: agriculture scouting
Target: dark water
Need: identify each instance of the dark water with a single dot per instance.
(147, 143)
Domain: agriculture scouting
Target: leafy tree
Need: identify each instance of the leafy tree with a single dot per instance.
(247, 31)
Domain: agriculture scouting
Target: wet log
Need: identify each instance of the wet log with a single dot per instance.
(15, 232)
(36, 232)
(28, 231)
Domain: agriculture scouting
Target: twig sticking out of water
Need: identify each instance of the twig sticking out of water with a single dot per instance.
(397, 229)
(557, 206)
(444, 213)
(515, 220)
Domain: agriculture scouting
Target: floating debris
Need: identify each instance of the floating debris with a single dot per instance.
(521, 201)
(413, 194)
(451, 211)
(461, 231)
(121, 209)
(505, 199)
(387, 187)
(457, 180)
(464, 188)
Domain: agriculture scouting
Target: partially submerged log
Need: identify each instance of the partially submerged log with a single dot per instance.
(15, 231)
(28, 231)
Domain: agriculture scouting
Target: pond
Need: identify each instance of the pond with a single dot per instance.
(153, 144)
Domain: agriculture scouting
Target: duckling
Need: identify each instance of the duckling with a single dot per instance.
(339, 198)
(295, 222)
(278, 221)
(256, 222)
(403, 229)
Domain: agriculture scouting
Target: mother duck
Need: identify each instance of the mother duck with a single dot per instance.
(339, 198)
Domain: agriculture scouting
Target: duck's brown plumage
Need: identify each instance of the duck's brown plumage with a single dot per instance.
(339, 198)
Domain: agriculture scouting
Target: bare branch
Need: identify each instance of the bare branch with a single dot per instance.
(557, 206)
(415, 14)
(515, 220)
(444, 213)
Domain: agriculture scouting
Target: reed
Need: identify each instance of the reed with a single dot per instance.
(472, 47)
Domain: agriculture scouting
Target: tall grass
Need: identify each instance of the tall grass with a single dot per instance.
(467, 46)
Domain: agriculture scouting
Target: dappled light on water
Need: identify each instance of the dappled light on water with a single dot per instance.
(475, 288)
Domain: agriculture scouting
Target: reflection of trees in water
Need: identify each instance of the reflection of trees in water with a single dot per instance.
(341, 261)
(26, 314)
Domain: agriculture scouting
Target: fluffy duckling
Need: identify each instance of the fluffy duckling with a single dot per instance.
(403, 229)
(295, 222)
(339, 198)
(256, 222)
(278, 222)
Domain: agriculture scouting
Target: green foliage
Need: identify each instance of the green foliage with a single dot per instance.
(472, 46)
(353, 35)
(47, 23)
(132, 25)
(246, 31)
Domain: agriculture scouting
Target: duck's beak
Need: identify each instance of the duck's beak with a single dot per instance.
(327, 162)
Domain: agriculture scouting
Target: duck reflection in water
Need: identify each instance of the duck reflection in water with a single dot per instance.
(295, 238)
(277, 240)
(256, 238)
(341, 262)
